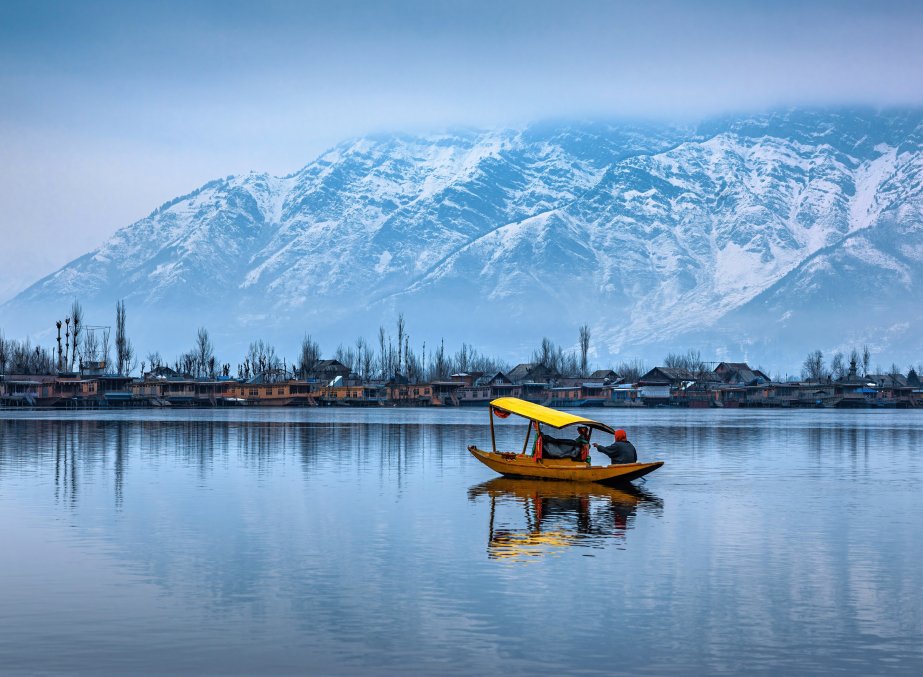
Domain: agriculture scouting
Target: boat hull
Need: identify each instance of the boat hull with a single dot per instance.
(522, 465)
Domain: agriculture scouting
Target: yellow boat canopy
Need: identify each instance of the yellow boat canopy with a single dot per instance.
(536, 412)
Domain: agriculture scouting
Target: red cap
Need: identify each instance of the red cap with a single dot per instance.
(620, 436)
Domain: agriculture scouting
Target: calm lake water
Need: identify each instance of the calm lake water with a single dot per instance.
(352, 541)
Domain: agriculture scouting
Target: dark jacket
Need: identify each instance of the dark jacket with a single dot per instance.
(620, 452)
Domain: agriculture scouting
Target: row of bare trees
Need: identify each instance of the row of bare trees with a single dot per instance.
(75, 345)
(199, 361)
(67, 357)
(690, 361)
(858, 363)
(556, 360)
(395, 355)
(21, 357)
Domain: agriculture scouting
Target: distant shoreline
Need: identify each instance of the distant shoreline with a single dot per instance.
(395, 407)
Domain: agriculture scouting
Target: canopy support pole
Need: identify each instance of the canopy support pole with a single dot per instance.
(493, 438)
(525, 445)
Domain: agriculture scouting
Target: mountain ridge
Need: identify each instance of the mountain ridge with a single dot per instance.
(654, 234)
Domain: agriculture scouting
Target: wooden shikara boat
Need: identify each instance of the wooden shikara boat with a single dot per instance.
(535, 465)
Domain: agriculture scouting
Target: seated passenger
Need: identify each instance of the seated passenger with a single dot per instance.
(555, 447)
(621, 451)
(583, 441)
(583, 435)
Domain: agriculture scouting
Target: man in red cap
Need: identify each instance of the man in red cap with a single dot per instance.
(621, 451)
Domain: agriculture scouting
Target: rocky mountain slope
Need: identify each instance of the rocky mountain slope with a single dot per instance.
(759, 237)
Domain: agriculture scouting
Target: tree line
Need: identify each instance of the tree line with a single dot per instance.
(79, 346)
(858, 362)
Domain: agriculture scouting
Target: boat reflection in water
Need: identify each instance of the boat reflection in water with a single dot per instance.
(549, 516)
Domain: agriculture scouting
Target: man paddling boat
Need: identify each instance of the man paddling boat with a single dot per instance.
(620, 451)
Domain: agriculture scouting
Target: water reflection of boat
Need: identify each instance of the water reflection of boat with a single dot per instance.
(539, 465)
(559, 514)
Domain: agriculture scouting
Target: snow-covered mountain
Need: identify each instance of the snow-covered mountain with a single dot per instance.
(756, 237)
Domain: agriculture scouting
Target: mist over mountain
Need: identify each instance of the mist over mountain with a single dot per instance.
(749, 237)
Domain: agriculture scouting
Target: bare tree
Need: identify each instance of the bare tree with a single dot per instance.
(440, 369)
(105, 351)
(674, 361)
(124, 351)
(838, 366)
(90, 348)
(401, 328)
(77, 321)
(254, 356)
(695, 364)
(631, 371)
(67, 342)
(558, 361)
(346, 356)
(261, 356)
(368, 362)
(187, 364)
(60, 354)
(309, 355)
(584, 348)
(406, 351)
(390, 357)
(155, 360)
(5, 349)
(461, 358)
(41, 361)
(130, 359)
(546, 354)
(412, 363)
(381, 352)
(866, 360)
(361, 350)
(203, 351)
(813, 367)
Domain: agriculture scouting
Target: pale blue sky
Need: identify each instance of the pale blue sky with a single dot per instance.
(109, 109)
